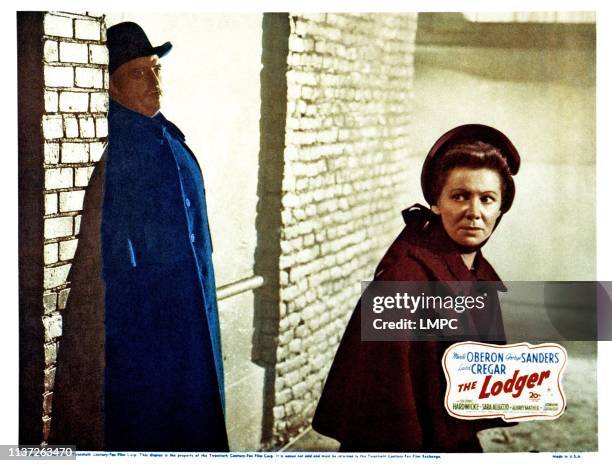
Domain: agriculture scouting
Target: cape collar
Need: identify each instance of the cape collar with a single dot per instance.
(426, 233)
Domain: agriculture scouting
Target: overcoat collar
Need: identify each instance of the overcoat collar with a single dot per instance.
(124, 116)
(116, 110)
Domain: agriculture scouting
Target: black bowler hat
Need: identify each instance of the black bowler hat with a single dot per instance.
(126, 41)
(478, 132)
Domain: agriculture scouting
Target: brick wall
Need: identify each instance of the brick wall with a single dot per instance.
(344, 161)
(74, 129)
(349, 89)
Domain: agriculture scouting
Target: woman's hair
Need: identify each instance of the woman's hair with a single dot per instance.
(474, 154)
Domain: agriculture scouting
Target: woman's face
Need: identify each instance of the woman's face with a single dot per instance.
(469, 204)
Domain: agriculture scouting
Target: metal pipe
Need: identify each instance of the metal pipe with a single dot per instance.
(240, 286)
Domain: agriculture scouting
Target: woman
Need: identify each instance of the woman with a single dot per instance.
(389, 396)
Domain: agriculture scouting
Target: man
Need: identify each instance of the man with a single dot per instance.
(163, 386)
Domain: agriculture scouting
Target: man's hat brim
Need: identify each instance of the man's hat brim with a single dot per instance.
(127, 41)
(162, 50)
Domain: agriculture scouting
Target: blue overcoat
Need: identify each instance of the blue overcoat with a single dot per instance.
(164, 372)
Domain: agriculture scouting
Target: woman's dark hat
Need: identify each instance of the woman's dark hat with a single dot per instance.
(127, 41)
(478, 132)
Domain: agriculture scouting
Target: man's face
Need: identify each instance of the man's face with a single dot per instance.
(137, 85)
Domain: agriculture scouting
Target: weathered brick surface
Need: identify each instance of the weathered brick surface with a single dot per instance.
(73, 101)
(51, 253)
(53, 326)
(75, 152)
(67, 249)
(71, 200)
(52, 126)
(58, 227)
(51, 101)
(59, 76)
(56, 178)
(87, 29)
(349, 84)
(50, 302)
(74, 127)
(51, 151)
(89, 77)
(73, 52)
(58, 25)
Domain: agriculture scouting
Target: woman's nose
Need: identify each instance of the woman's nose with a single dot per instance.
(473, 209)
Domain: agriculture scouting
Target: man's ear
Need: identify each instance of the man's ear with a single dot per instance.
(435, 210)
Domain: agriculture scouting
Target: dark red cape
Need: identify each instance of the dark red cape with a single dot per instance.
(389, 396)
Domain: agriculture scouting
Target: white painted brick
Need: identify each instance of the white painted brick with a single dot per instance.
(58, 227)
(73, 53)
(50, 203)
(50, 51)
(71, 200)
(58, 26)
(50, 253)
(87, 127)
(96, 149)
(98, 54)
(99, 102)
(51, 101)
(75, 152)
(52, 126)
(106, 78)
(82, 175)
(52, 152)
(62, 298)
(56, 178)
(59, 76)
(89, 77)
(53, 326)
(77, 224)
(101, 127)
(55, 276)
(49, 379)
(50, 359)
(71, 127)
(67, 249)
(86, 29)
(50, 302)
(73, 101)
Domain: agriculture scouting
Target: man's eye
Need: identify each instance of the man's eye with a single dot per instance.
(137, 74)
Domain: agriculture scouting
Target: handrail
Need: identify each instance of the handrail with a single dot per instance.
(240, 286)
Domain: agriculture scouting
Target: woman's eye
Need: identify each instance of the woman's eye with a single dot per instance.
(487, 199)
(459, 197)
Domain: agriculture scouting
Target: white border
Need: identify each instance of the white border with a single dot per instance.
(8, 174)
